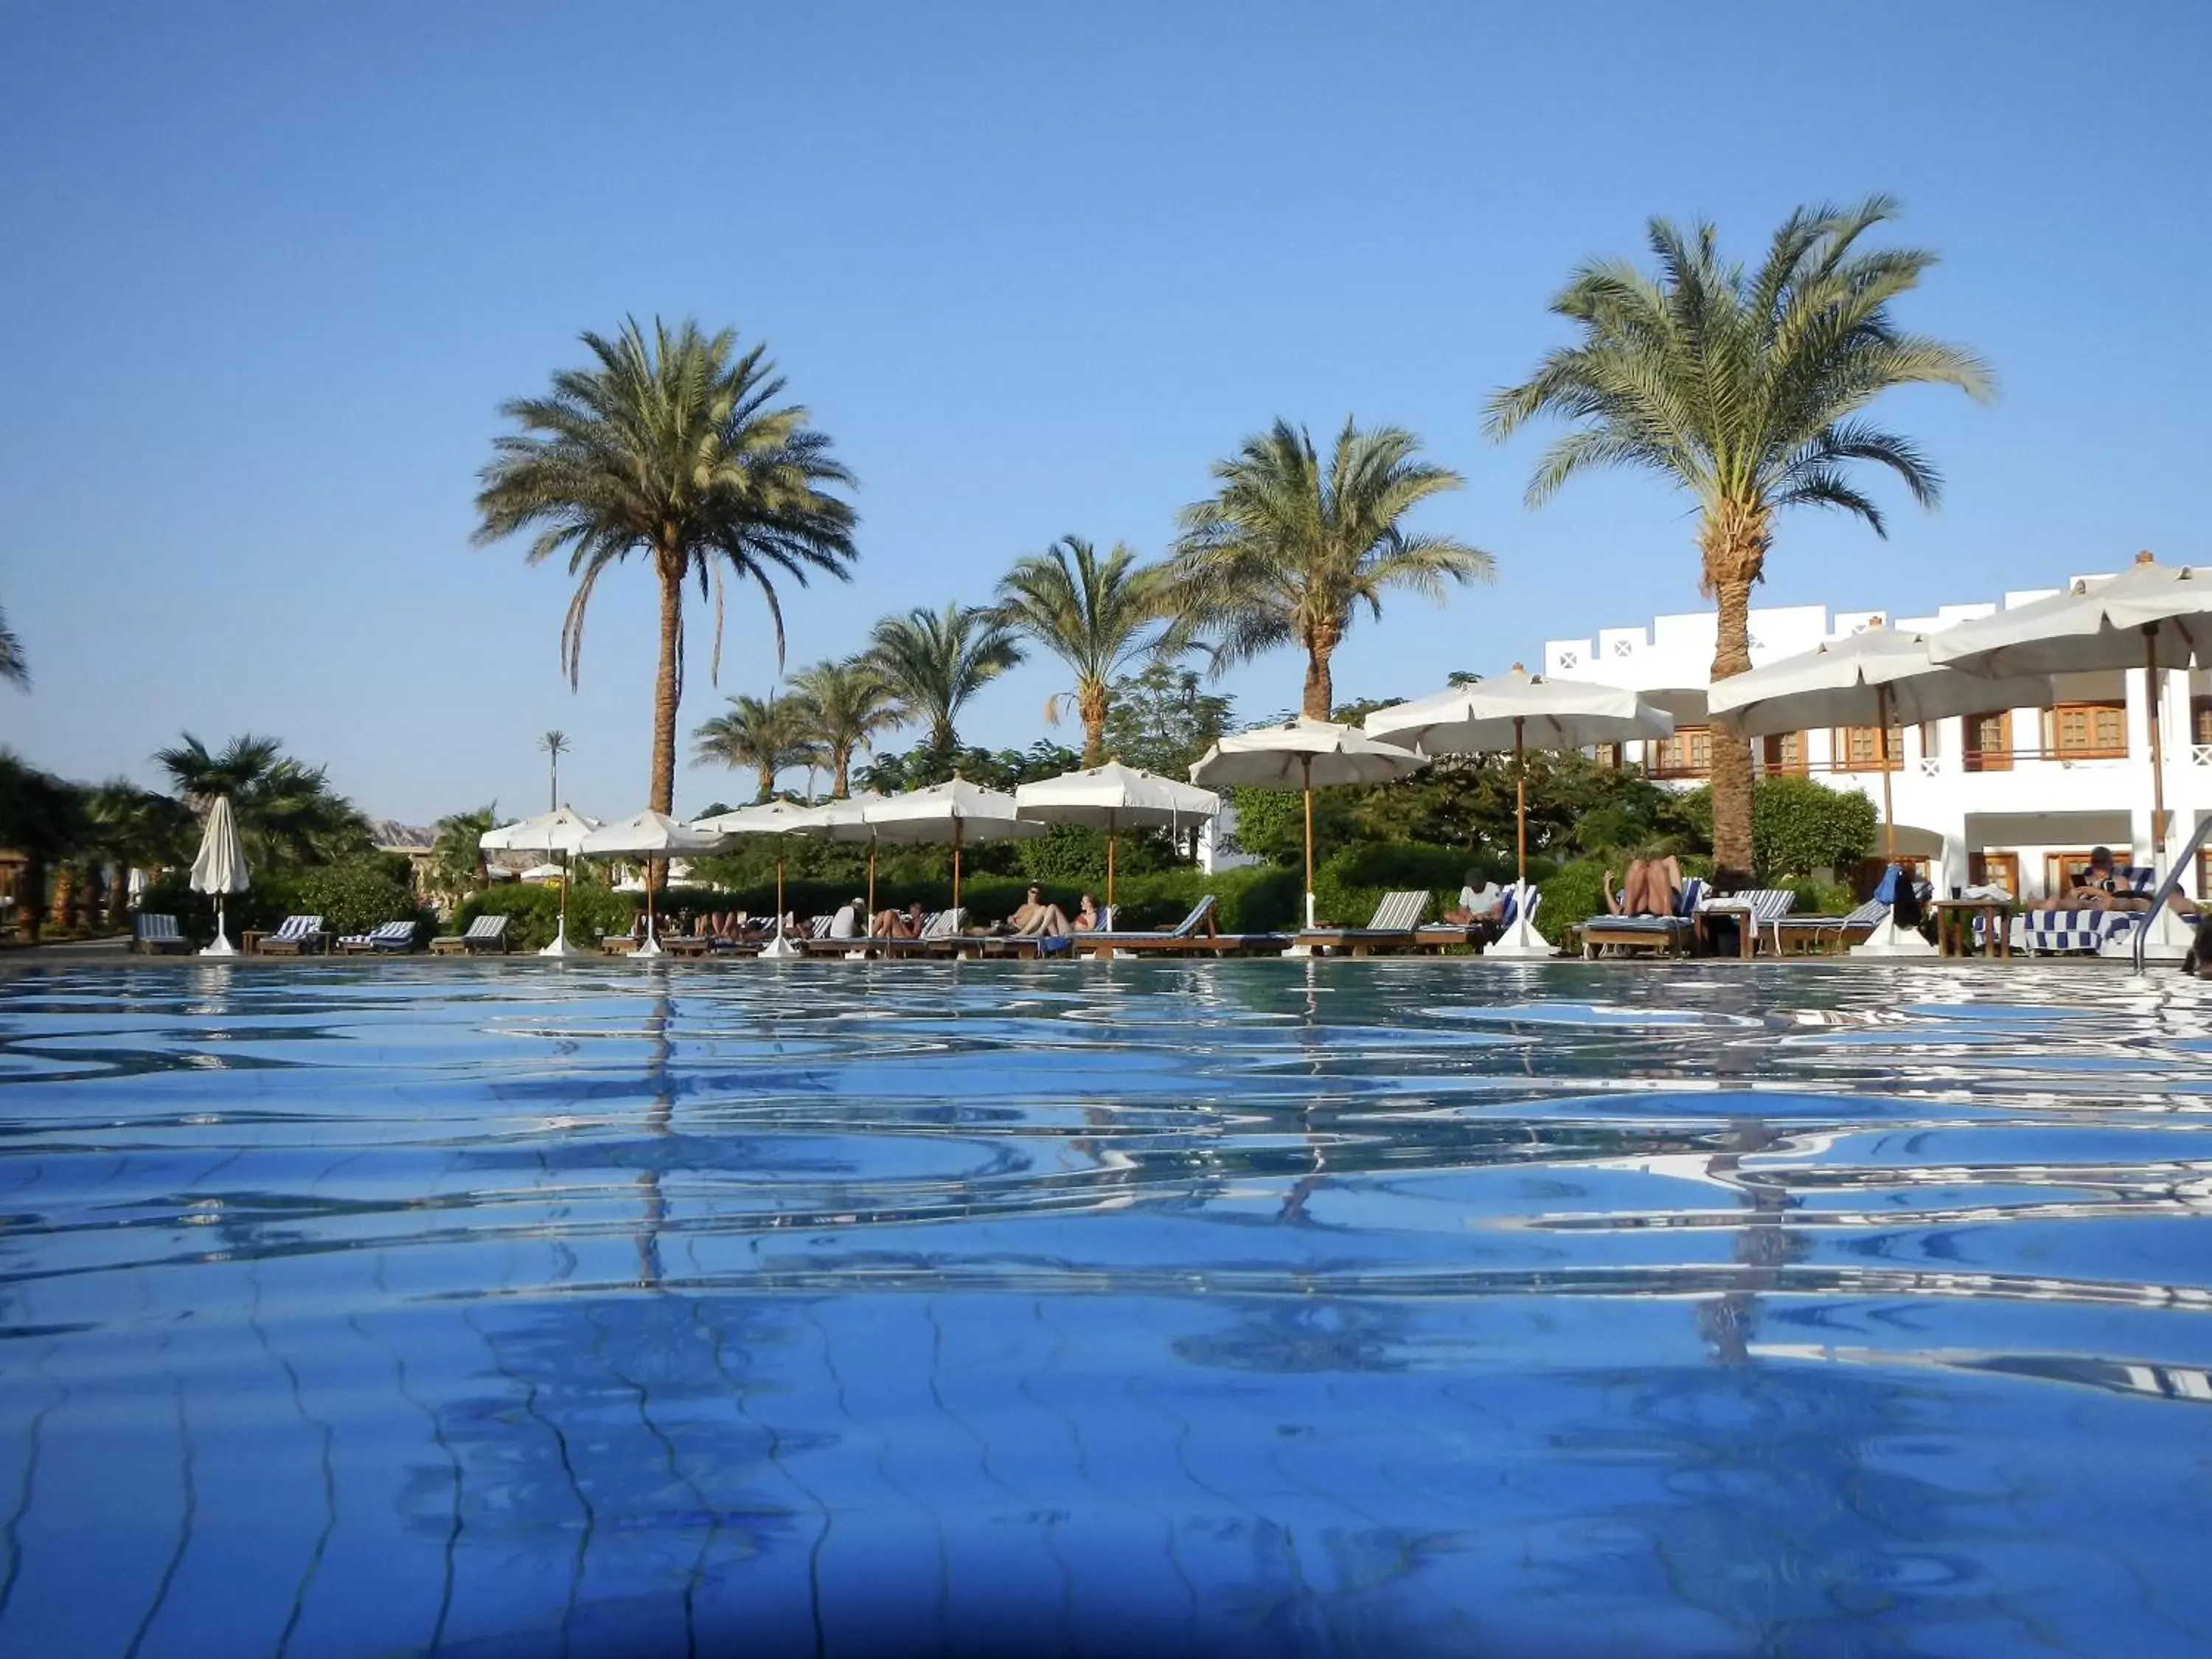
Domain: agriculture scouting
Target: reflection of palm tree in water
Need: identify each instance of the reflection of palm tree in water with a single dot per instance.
(1309, 1035)
(1764, 1246)
(660, 1118)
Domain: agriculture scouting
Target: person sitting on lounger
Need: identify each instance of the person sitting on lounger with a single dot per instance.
(1480, 905)
(1085, 919)
(846, 924)
(2099, 887)
(1034, 918)
(893, 924)
(1650, 889)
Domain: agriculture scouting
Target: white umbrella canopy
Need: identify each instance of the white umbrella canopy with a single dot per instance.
(220, 868)
(1300, 754)
(1880, 676)
(1513, 711)
(957, 812)
(2151, 617)
(1112, 798)
(649, 834)
(771, 817)
(560, 831)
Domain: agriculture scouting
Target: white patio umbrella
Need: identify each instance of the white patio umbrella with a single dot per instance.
(1881, 674)
(2151, 616)
(847, 819)
(649, 834)
(1300, 754)
(778, 818)
(560, 831)
(1513, 711)
(957, 812)
(1114, 797)
(220, 868)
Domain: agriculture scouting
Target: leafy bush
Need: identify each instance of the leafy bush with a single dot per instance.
(533, 912)
(1574, 893)
(1352, 881)
(352, 897)
(1797, 826)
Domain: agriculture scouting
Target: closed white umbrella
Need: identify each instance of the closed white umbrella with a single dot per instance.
(649, 834)
(1300, 754)
(1513, 711)
(220, 868)
(1114, 797)
(957, 812)
(2151, 617)
(778, 818)
(560, 831)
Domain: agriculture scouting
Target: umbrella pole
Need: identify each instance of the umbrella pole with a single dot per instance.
(2157, 749)
(1109, 857)
(1520, 803)
(779, 887)
(956, 864)
(1305, 767)
(1881, 754)
(872, 877)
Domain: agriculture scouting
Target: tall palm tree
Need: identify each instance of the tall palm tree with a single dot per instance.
(458, 865)
(137, 829)
(1742, 389)
(672, 447)
(1097, 615)
(845, 704)
(768, 735)
(554, 744)
(1286, 550)
(287, 812)
(934, 662)
(13, 668)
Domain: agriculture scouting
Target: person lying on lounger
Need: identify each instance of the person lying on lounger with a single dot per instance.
(2099, 887)
(1034, 918)
(1085, 919)
(1650, 889)
(894, 924)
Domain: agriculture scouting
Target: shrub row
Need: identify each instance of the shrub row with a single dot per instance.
(351, 897)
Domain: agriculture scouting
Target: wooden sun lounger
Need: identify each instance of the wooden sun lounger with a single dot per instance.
(296, 937)
(156, 934)
(1396, 918)
(392, 938)
(484, 933)
(940, 935)
(1197, 933)
(1832, 934)
(1670, 935)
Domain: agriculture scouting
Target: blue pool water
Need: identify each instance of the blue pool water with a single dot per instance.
(1239, 1308)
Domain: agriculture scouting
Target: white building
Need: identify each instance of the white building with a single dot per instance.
(2007, 796)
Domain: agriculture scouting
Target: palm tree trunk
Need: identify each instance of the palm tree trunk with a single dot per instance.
(841, 774)
(763, 782)
(1321, 689)
(64, 908)
(1093, 702)
(663, 798)
(1731, 755)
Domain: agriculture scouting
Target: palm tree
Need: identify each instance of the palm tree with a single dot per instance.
(458, 865)
(554, 744)
(13, 668)
(670, 447)
(935, 662)
(844, 705)
(136, 828)
(1283, 551)
(1743, 389)
(1096, 615)
(768, 737)
(287, 811)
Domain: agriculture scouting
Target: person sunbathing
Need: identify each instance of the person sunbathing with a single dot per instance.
(893, 924)
(1034, 918)
(2100, 886)
(1085, 919)
(1650, 889)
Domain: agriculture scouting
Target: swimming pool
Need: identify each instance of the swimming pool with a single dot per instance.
(1242, 1307)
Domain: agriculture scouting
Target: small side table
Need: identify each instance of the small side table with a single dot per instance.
(1954, 927)
(249, 941)
(1746, 934)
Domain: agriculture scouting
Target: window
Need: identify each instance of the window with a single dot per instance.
(1995, 870)
(1858, 749)
(1607, 755)
(2204, 872)
(2200, 720)
(1988, 743)
(1687, 754)
(2089, 730)
(2059, 869)
(1869, 874)
(1784, 751)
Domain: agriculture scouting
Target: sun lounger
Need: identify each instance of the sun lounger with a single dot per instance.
(484, 933)
(1672, 934)
(1807, 934)
(1196, 932)
(940, 935)
(1391, 929)
(297, 935)
(1030, 946)
(2051, 932)
(1755, 912)
(155, 934)
(393, 937)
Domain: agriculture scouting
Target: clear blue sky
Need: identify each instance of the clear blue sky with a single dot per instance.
(267, 272)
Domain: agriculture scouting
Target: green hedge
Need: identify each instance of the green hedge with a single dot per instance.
(351, 897)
